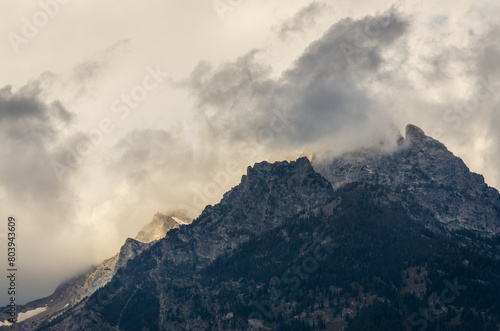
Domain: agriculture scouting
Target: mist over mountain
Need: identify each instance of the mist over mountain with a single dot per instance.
(371, 239)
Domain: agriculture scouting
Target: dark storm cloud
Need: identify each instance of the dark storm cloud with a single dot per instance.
(305, 18)
(320, 94)
(28, 130)
(24, 104)
(349, 46)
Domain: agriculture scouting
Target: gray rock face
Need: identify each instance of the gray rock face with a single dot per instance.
(423, 172)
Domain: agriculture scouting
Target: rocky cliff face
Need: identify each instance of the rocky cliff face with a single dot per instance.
(423, 173)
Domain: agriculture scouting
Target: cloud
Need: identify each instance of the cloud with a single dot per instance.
(487, 112)
(360, 82)
(243, 115)
(448, 84)
(89, 69)
(28, 130)
(319, 97)
(141, 152)
(84, 76)
(302, 20)
(488, 54)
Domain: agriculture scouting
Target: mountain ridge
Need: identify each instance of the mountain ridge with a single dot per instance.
(392, 246)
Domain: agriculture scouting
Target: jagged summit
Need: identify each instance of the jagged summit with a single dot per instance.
(265, 168)
(415, 138)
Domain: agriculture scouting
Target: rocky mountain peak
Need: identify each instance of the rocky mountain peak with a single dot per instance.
(426, 173)
(265, 168)
(157, 228)
(413, 132)
(416, 139)
(297, 178)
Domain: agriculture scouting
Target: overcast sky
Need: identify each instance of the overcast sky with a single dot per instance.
(113, 111)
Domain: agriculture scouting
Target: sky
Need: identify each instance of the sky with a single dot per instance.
(113, 111)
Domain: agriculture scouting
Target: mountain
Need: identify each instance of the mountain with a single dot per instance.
(369, 240)
(75, 290)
